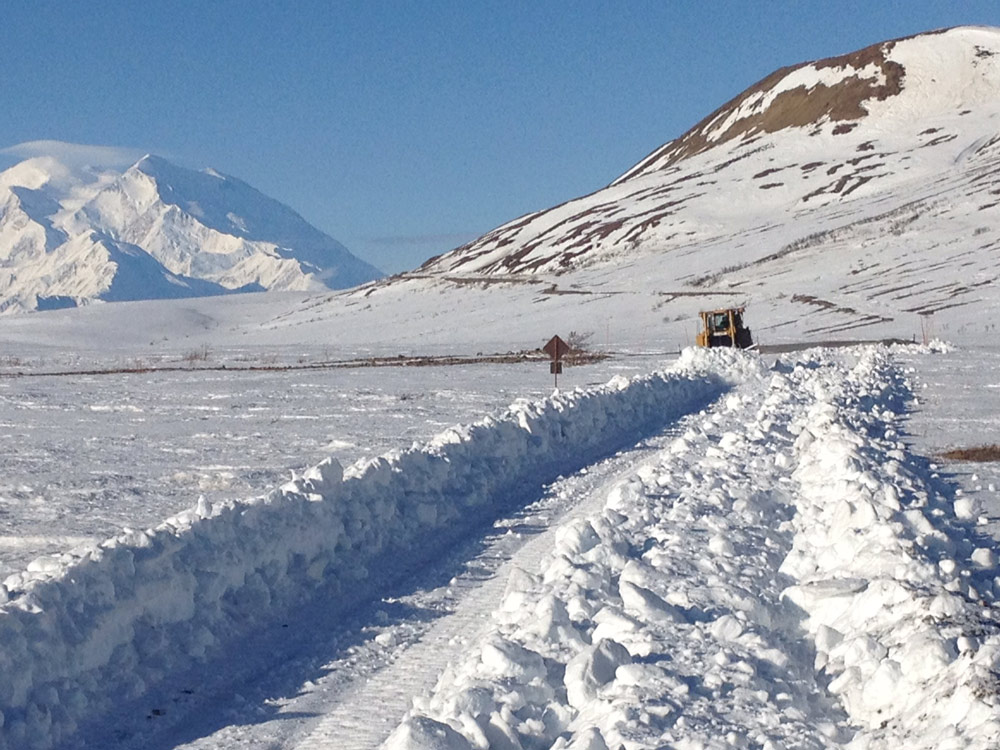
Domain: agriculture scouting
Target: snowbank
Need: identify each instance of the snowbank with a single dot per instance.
(782, 576)
(897, 585)
(83, 630)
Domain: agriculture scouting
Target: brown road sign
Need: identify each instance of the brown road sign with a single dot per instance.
(555, 368)
(556, 348)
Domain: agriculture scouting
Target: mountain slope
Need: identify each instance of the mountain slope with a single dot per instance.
(858, 193)
(807, 138)
(69, 235)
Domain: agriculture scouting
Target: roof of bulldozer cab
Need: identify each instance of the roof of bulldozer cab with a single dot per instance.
(722, 310)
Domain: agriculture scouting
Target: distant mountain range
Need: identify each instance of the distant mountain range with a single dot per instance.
(71, 235)
(850, 198)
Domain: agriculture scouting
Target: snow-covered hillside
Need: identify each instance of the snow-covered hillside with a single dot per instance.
(818, 135)
(858, 191)
(73, 234)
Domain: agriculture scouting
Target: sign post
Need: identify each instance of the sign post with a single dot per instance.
(556, 349)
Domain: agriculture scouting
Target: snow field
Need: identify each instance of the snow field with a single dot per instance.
(132, 450)
(83, 630)
(776, 581)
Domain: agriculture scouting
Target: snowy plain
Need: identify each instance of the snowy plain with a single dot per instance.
(701, 506)
(134, 448)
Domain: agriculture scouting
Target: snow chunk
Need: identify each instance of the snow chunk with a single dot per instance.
(591, 669)
(965, 508)
(644, 603)
(984, 558)
(421, 733)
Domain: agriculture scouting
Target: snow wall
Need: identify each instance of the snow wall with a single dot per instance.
(83, 630)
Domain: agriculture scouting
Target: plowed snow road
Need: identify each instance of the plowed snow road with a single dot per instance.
(327, 680)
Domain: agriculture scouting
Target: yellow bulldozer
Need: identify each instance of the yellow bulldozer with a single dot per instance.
(724, 328)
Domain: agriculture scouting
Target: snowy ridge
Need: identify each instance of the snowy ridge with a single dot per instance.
(83, 629)
(675, 617)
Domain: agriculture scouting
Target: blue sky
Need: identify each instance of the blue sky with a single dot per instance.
(406, 128)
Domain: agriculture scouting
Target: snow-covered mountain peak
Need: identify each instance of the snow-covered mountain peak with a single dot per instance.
(924, 76)
(224, 203)
(171, 174)
(185, 231)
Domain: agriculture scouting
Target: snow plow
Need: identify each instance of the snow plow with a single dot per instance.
(724, 328)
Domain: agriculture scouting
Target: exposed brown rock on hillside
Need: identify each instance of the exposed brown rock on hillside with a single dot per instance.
(795, 107)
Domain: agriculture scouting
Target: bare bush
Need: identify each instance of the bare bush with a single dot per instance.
(579, 341)
(981, 453)
(196, 355)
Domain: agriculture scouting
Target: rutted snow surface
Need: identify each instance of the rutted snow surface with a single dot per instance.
(782, 574)
(518, 543)
(787, 576)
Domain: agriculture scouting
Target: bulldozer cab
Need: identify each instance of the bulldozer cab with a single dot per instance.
(724, 328)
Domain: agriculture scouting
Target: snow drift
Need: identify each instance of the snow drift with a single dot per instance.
(893, 576)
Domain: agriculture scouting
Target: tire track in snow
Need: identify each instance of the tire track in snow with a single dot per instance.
(365, 716)
(658, 620)
(267, 688)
